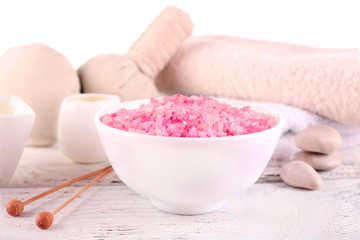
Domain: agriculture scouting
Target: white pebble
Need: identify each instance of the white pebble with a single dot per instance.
(300, 174)
(319, 161)
(319, 139)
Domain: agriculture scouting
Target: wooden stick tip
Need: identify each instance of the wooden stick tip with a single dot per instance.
(44, 220)
(14, 207)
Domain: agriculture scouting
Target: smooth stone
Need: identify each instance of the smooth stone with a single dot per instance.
(319, 139)
(301, 175)
(319, 161)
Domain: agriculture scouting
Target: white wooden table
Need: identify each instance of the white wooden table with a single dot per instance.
(110, 210)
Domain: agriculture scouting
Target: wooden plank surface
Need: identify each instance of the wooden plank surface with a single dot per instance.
(265, 211)
(268, 210)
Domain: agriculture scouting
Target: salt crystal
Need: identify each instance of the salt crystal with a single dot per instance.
(195, 116)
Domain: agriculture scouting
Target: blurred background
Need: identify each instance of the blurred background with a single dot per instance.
(81, 29)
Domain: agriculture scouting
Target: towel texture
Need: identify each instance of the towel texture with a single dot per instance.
(323, 81)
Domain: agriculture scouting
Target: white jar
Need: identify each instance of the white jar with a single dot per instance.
(77, 135)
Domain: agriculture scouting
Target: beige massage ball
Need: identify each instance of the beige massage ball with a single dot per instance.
(41, 77)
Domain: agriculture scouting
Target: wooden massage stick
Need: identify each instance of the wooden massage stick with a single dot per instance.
(15, 207)
(45, 219)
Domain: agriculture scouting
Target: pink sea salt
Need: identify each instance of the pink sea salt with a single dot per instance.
(195, 116)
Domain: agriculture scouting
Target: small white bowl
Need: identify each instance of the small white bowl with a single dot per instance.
(77, 135)
(16, 122)
(187, 175)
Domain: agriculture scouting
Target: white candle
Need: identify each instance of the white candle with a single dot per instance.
(77, 135)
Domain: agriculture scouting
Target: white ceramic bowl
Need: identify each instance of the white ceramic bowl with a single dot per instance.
(16, 122)
(187, 175)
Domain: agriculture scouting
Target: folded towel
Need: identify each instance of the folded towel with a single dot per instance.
(323, 81)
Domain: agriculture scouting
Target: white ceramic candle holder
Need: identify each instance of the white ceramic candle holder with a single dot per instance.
(16, 122)
(77, 135)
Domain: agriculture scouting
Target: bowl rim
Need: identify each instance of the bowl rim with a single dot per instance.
(116, 107)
